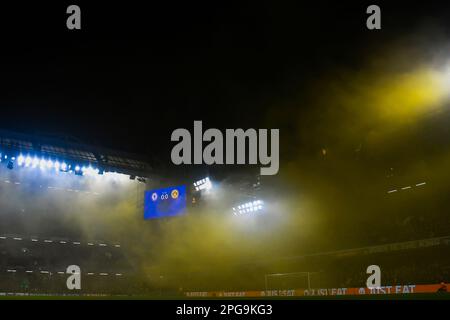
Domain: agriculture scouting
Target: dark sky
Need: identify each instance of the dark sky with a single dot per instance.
(135, 73)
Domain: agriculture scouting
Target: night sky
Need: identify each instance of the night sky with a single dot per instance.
(135, 73)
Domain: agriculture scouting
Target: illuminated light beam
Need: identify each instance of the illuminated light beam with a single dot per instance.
(408, 187)
(421, 184)
(76, 243)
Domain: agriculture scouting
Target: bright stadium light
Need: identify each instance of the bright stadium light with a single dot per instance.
(20, 160)
(45, 164)
(28, 161)
(42, 164)
(64, 167)
(248, 207)
(203, 184)
(79, 170)
(35, 162)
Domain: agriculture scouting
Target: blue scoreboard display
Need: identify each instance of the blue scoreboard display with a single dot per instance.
(165, 202)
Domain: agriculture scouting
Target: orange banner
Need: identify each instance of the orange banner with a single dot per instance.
(394, 289)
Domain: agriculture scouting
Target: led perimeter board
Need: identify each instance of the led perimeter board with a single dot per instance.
(165, 202)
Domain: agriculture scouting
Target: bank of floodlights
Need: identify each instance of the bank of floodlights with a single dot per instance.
(48, 164)
(43, 163)
(204, 184)
(249, 207)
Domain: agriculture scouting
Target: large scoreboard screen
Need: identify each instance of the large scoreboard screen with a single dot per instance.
(165, 202)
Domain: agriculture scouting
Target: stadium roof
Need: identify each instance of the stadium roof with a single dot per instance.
(69, 150)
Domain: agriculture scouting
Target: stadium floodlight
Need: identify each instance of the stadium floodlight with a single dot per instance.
(28, 161)
(57, 165)
(42, 164)
(78, 170)
(20, 160)
(35, 162)
(248, 207)
(64, 167)
(203, 184)
(49, 164)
